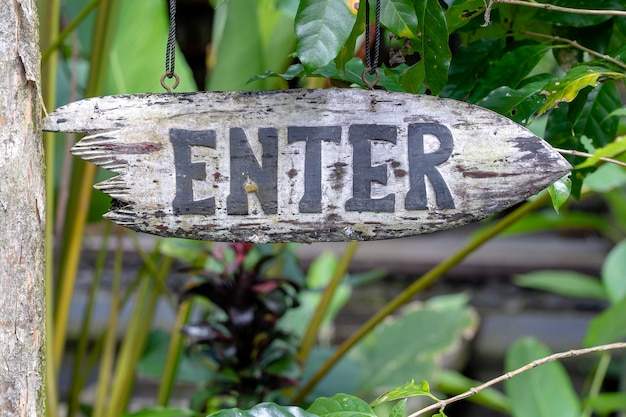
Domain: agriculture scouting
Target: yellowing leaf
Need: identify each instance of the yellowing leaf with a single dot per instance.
(566, 89)
(613, 149)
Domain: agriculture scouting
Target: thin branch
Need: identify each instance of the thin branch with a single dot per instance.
(548, 6)
(588, 155)
(577, 46)
(554, 357)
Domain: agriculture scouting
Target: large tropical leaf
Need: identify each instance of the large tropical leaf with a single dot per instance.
(137, 59)
(461, 12)
(545, 391)
(399, 17)
(608, 327)
(511, 69)
(567, 88)
(467, 65)
(402, 339)
(322, 28)
(518, 105)
(434, 48)
(341, 405)
(614, 272)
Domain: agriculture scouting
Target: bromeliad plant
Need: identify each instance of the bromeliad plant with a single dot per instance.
(250, 356)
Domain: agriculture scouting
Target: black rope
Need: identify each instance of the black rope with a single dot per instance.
(170, 53)
(372, 63)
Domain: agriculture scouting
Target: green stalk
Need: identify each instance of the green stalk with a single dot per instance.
(78, 376)
(53, 47)
(310, 336)
(82, 179)
(50, 12)
(101, 404)
(173, 355)
(423, 282)
(136, 336)
(596, 382)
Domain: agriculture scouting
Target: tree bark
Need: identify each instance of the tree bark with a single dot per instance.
(22, 215)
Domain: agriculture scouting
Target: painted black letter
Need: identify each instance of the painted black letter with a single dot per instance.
(363, 171)
(187, 171)
(311, 201)
(245, 170)
(423, 165)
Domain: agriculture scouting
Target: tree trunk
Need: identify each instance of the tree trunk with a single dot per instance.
(22, 214)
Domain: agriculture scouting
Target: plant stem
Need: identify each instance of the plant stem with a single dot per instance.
(557, 356)
(101, 404)
(310, 336)
(82, 180)
(556, 8)
(77, 380)
(52, 47)
(424, 281)
(596, 383)
(50, 12)
(136, 334)
(577, 46)
(173, 354)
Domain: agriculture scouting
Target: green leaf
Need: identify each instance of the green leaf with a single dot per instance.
(239, 42)
(398, 410)
(511, 69)
(545, 391)
(608, 327)
(606, 403)
(162, 412)
(322, 28)
(566, 89)
(434, 48)
(613, 149)
(454, 383)
(566, 283)
(461, 13)
(606, 178)
(592, 123)
(412, 78)
(518, 105)
(614, 272)
(444, 321)
(341, 405)
(399, 17)
(264, 410)
(136, 61)
(618, 113)
(467, 66)
(560, 192)
(295, 70)
(410, 389)
(347, 52)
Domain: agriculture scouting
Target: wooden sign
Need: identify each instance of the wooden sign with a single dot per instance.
(305, 165)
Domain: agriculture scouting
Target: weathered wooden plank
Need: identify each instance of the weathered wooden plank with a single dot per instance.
(305, 165)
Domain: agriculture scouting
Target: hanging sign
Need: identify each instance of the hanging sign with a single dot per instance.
(305, 165)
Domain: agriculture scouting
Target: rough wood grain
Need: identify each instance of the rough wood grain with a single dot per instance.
(22, 215)
(305, 165)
